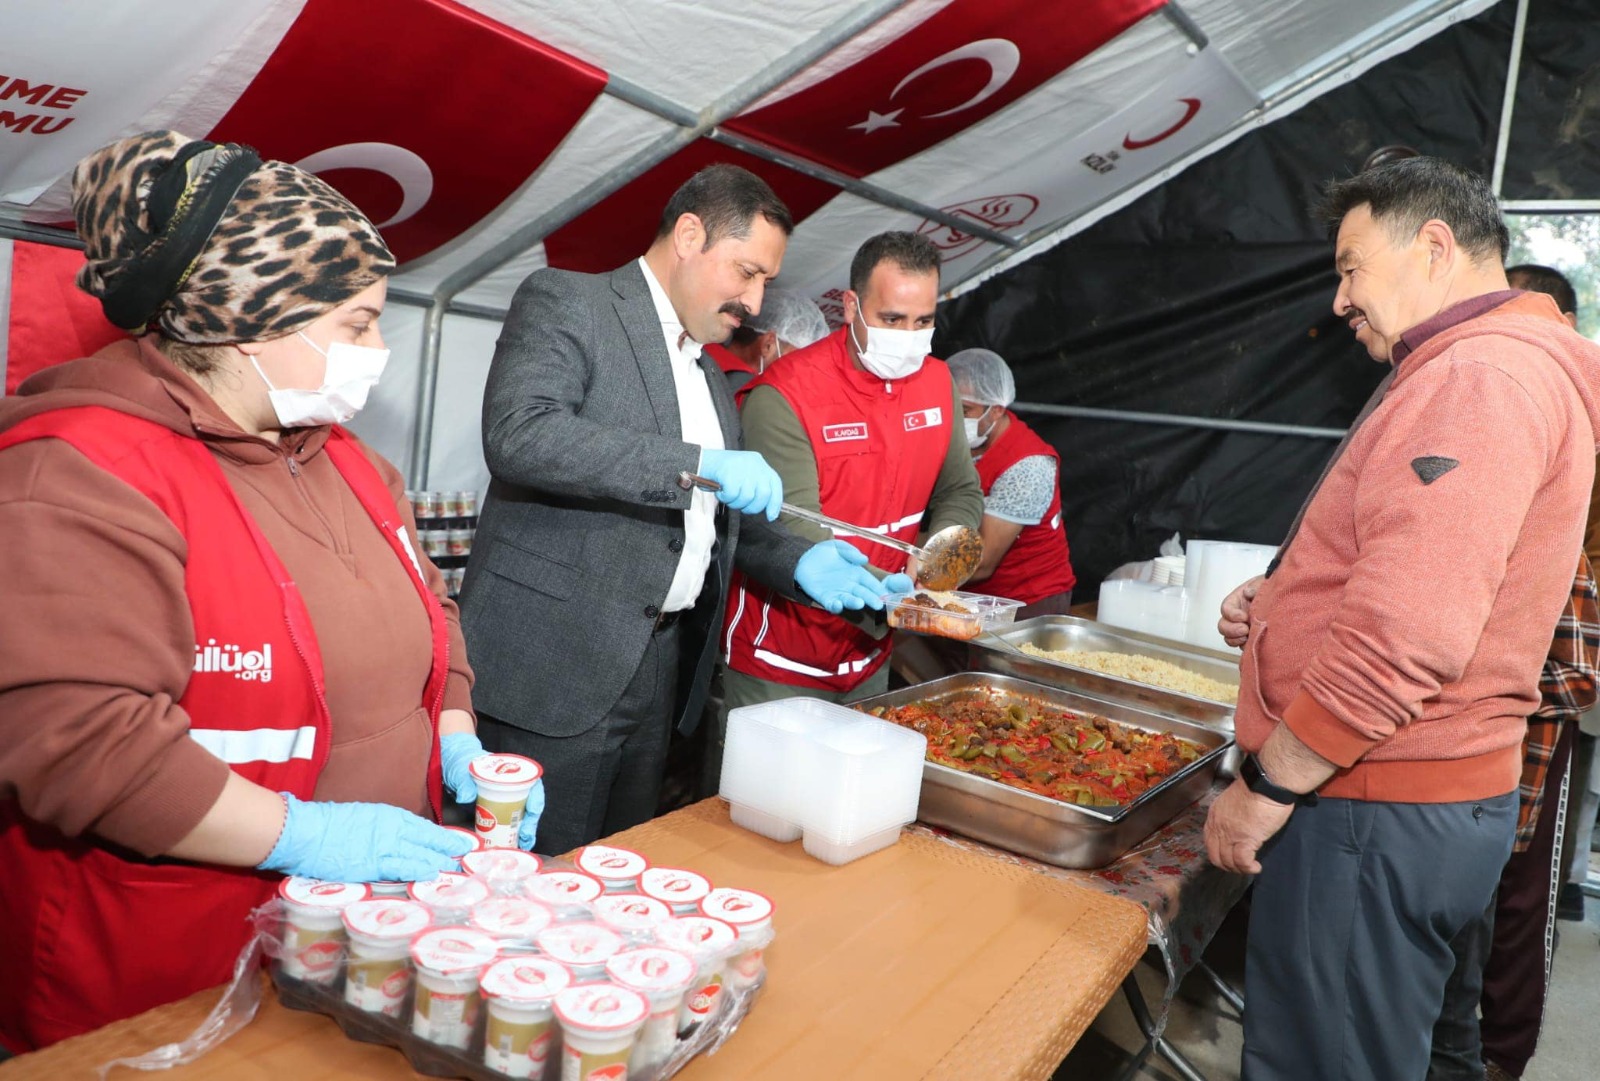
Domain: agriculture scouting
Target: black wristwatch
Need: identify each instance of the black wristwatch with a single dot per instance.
(1256, 780)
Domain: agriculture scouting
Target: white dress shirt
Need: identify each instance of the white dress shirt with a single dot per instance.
(700, 427)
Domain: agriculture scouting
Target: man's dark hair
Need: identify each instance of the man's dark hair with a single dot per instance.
(1547, 280)
(1404, 195)
(726, 199)
(911, 252)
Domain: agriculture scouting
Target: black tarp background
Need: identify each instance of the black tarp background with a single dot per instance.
(1555, 131)
(1211, 296)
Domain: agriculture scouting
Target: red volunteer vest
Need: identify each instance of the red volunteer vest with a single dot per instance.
(89, 933)
(729, 361)
(1038, 564)
(879, 448)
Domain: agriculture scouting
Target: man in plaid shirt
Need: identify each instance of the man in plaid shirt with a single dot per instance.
(1503, 960)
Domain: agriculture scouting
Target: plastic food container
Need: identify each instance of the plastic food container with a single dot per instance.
(514, 921)
(501, 868)
(864, 780)
(570, 894)
(313, 927)
(750, 915)
(708, 942)
(449, 962)
(678, 889)
(599, 1023)
(617, 868)
(631, 915)
(378, 972)
(519, 995)
(662, 976)
(504, 781)
(765, 791)
(922, 613)
(450, 897)
(582, 947)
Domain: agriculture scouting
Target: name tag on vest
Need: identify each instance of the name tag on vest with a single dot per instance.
(924, 418)
(844, 433)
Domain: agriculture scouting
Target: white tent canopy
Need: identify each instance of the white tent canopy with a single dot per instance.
(998, 127)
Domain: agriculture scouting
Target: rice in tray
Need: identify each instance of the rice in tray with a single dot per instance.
(1141, 669)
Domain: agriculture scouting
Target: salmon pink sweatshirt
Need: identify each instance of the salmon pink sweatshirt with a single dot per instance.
(1402, 635)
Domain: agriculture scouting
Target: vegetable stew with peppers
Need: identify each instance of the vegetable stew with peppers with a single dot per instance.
(1072, 757)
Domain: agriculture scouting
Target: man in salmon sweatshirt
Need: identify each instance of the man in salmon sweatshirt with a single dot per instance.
(1393, 651)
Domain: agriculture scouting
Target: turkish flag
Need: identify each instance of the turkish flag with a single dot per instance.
(621, 226)
(52, 320)
(425, 114)
(966, 62)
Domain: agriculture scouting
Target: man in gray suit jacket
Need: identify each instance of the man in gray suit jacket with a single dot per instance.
(598, 569)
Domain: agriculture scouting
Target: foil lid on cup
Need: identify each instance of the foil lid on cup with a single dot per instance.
(525, 980)
(508, 770)
(477, 842)
(674, 885)
(697, 935)
(565, 887)
(611, 864)
(501, 864)
(387, 918)
(316, 893)
(601, 1007)
(450, 890)
(651, 969)
(454, 949)
(630, 911)
(510, 917)
(741, 908)
(582, 944)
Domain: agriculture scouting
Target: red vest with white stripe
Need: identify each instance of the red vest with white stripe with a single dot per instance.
(879, 448)
(1037, 565)
(90, 933)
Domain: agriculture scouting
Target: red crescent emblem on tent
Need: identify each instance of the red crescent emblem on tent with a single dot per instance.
(1192, 106)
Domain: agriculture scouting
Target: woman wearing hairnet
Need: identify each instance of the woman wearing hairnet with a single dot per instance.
(1025, 553)
(225, 657)
(787, 321)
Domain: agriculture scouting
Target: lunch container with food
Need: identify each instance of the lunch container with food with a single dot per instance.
(949, 615)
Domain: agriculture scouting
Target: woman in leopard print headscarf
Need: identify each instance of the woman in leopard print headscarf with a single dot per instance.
(227, 649)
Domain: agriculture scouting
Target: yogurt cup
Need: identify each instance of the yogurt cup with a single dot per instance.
(680, 890)
(378, 972)
(519, 999)
(506, 870)
(402, 890)
(599, 1023)
(468, 503)
(471, 835)
(504, 781)
(709, 943)
(460, 541)
(617, 868)
(514, 921)
(570, 894)
(313, 930)
(663, 977)
(450, 897)
(582, 947)
(449, 961)
(750, 914)
(631, 915)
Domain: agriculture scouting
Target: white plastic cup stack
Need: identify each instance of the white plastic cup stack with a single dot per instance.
(1215, 569)
(1145, 607)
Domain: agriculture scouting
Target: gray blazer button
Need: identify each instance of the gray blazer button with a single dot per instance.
(651, 611)
(675, 544)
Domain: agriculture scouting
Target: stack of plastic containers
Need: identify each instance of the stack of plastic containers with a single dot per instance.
(842, 780)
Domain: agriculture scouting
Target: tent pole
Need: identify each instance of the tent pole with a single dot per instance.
(1175, 420)
(525, 237)
(1508, 101)
(865, 189)
(1550, 206)
(17, 229)
(1185, 23)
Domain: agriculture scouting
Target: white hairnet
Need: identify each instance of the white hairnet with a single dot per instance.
(792, 317)
(981, 376)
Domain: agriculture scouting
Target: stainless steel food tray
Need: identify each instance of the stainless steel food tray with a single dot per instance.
(1046, 829)
(1069, 632)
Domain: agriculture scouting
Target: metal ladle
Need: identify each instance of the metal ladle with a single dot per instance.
(945, 561)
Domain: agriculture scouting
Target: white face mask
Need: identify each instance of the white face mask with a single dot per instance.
(351, 373)
(974, 437)
(892, 354)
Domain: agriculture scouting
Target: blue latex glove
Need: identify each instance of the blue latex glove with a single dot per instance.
(834, 575)
(362, 842)
(749, 484)
(456, 752)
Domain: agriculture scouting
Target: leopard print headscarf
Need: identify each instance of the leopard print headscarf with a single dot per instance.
(209, 244)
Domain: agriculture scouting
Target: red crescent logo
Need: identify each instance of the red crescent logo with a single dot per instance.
(1191, 107)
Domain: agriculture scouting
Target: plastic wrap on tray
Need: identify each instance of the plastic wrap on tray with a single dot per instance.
(480, 1000)
(951, 614)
